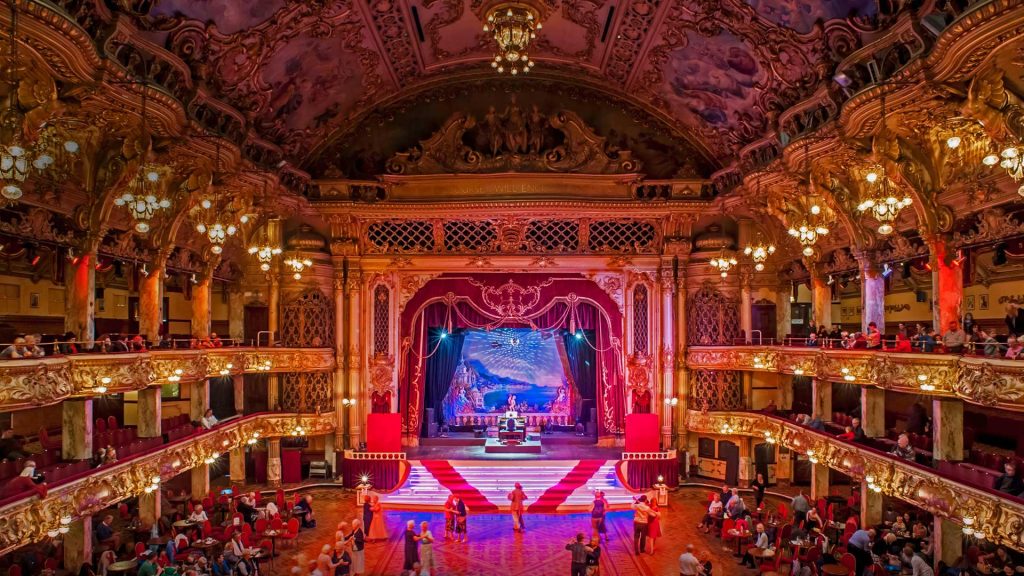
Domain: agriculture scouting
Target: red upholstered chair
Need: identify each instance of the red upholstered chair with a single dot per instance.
(50, 564)
(112, 422)
(810, 558)
(276, 523)
(100, 426)
(727, 524)
(293, 531)
(261, 525)
(47, 442)
(783, 511)
(140, 547)
(849, 561)
(279, 495)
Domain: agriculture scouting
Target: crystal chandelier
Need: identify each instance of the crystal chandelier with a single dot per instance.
(883, 205)
(808, 233)
(19, 156)
(145, 195)
(213, 220)
(759, 253)
(264, 252)
(723, 263)
(513, 26)
(298, 265)
(1010, 159)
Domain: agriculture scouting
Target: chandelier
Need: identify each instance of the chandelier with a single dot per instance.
(215, 221)
(759, 253)
(298, 265)
(808, 233)
(883, 206)
(146, 190)
(513, 26)
(264, 253)
(723, 264)
(1010, 159)
(19, 156)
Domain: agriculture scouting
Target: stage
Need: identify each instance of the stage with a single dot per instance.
(554, 446)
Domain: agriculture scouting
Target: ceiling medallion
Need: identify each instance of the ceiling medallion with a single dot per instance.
(513, 25)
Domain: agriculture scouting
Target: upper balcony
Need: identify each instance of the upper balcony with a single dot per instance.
(36, 382)
(989, 382)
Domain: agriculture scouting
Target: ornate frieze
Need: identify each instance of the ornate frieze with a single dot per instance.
(998, 518)
(31, 383)
(982, 381)
(29, 520)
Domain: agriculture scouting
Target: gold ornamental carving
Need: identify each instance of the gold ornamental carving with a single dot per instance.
(999, 518)
(30, 519)
(514, 140)
(382, 371)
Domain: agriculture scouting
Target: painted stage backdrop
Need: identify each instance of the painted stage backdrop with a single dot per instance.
(510, 369)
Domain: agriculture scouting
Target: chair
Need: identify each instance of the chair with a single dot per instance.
(727, 524)
(100, 426)
(783, 511)
(140, 547)
(276, 523)
(772, 564)
(811, 557)
(280, 501)
(122, 511)
(112, 422)
(850, 562)
(787, 531)
(292, 532)
(261, 525)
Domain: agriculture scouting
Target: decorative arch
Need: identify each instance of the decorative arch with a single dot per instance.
(514, 300)
(307, 320)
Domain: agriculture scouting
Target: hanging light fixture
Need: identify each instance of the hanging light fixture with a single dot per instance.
(723, 263)
(512, 26)
(881, 203)
(297, 265)
(810, 230)
(145, 195)
(19, 156)
(1011, 159)
(213, 219)
(264, 253)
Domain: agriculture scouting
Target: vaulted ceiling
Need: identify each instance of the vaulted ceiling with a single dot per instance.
(693, 79)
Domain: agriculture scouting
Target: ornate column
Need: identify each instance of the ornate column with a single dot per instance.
(80, 297)
(821, 398)
(783, 310)
(150, 409)
(819, 480)
(947, 429)
(870, 506)
(202, 294)
(667, 355)
(872, 292)
(947, 541)
(821, 301)
(273, 444)
(746, 302)
(236, 465)
(274, 234)
(151, 297)
(76, 429)
(680, 248)
(238, 390)
(354, 346)
(78, 544)
(199, 401)
(872, 411)
(149, 508)
(340, 390)
(947, 283)
(236, 312)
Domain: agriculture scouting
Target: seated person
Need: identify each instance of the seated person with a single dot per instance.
(1015, 348)
(1008, 482)
(247, 510)
(208, 420)
(16, 350)
(847, 434)
(304, 511)
(903, 449)
(714, 514)
(510, 425)
(902, 343)
(105, 533)
(27, 481)
(220, 566)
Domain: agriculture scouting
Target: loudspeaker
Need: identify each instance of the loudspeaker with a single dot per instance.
(593, 416)
(430, 424)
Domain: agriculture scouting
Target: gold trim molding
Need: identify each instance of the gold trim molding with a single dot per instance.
(29, 520)
(998, 518)
(989, 382)
(40, 382)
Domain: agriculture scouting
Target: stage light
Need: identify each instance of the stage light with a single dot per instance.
(443, 334)
(578, 335)
(886, 270)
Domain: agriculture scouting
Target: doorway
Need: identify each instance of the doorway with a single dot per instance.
(762, 320)
(257, 319)
(730, 452)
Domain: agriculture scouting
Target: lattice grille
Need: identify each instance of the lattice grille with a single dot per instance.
(381, 317)
(716, 390)
(468, 235)
(622, 236)
(308, 320)
(401, 236)
(307, 393)
(553, 236)
(641, 320)
(713, 318)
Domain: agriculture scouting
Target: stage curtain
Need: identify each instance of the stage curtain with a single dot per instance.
(441, 366)
(582, 362)
(642, 474)
(383, 473)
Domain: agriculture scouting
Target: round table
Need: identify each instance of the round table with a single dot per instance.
(740, 538)
(123, 566)
(272, 534)
(204, 544)
(835, 570)
(184, 524)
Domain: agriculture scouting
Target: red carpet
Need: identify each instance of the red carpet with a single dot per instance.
(551, 499)
(450, 478)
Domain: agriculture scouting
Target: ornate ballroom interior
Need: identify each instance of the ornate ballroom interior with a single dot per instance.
(366, 234)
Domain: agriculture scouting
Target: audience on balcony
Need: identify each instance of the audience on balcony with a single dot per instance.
(208, 420)
(16, 350)
(903, 449)
(28, 481)
(1014, 348)
(955, 338)
(68, 344)
(812, 340)
(902, 343)
(12, 446)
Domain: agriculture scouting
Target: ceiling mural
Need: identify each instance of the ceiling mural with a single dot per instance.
(303, 71)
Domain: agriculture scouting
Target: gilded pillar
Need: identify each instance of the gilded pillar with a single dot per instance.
(78, 544)
(947, 429)
(682, 384)
(273, 445)
(200, 481)
(947, 284)
(199, 398)
(76, 429)
(821, 302)
(340, 389)
(151, 298)
(150, 407)
(821, 398)
(80, 297)
(202, 294)
(354, 348)
(870, 506)
(872, 293)
(783, 311)
(872, 411)
(746, 303)
(667, 355)
(274, 234)
(236, 313)
(238, 391)
(236, 466)
(149, 508)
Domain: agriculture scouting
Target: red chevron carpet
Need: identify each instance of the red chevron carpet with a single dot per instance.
(551, 499)
(450, 478)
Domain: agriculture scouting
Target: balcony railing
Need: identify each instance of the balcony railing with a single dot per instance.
(996, 517)
(984, 381)
(28, 520)
(41, 381)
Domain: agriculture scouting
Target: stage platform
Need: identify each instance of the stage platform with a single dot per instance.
(530, 446)
(555, 446)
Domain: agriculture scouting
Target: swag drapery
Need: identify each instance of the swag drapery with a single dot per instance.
(525, 300)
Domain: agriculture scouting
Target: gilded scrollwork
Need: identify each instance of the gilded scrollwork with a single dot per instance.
(1000, 519)
(30, 519)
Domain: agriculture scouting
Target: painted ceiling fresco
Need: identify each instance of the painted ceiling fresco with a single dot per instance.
(310, 74)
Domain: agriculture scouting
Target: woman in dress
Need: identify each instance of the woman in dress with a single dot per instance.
(357, 538)
(379, 530)
(426, 539)
(461, 515)
(654, 524)
(412, 555)
(598, 508)
(449, 517)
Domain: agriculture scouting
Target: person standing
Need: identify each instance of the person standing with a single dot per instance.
(461, 520)
(379, 531)
(598, 509)
(426, 539)
(594, 557)
(358, 553)
(367, 512)
(641, 516)
(517, 497)
(412, 555)
(758, 486)
(580, 552)
(449, 517)
(654, 524)
(342, 559)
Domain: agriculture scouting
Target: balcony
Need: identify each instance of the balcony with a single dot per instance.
(989, 382)
(29, 519)
(39, 382)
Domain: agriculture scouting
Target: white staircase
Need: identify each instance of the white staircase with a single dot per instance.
(421, 491)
